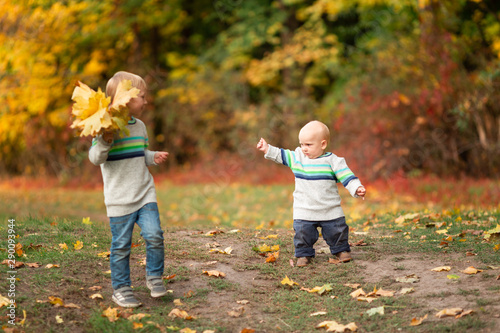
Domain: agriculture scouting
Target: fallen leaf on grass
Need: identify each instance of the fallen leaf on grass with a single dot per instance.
(59, 320)
(412, 278)
(169, 277)
(187, 330)
(4, 301)
(320, 290)
(456, 312)
(417, 321)
(19, 249)
(214, 232)
(177, 302)
(105, 254)
(215, 273)
(180, 314)
(56, 301)
(441, 269)
(236, 312)
(291, 263)
(381, 292)
(352, 285)
(470, 254)
(453, 276)
(266, 248)
(358, 292)
(86, 220)
(136, 326)
(33, 264)
(319, 313)
(243, 302)
(406, 291)
(95, 288)
(271, 257)
(269, 237)
(442, 231)
(138, 316)
(18, 264)
(63, 246)
(373, 311)
(492, 234)
(287, 282)
(227, 250)
(247, 330)
(464, 313)
(94, 296)
(111, 314)
(78, 245)
(52, 266)
(333, 326)
(471, 270)
(360, 243)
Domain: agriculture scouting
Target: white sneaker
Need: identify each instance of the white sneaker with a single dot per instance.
(124, 297)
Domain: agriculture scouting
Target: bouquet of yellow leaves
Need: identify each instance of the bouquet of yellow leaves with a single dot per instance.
(94, 113)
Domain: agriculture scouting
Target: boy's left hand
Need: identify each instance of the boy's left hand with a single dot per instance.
(361, 191)
(160, 157)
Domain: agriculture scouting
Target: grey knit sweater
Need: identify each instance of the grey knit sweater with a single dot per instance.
(128, 184)
(316, 196)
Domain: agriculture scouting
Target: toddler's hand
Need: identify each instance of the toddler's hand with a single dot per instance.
(361, 191)
(108, 136)
(263, 146)
(160, 157)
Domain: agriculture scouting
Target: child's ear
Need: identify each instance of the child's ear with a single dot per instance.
(324, 144)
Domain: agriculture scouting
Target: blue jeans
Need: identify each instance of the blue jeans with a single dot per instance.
(335, 232)
(148, 219)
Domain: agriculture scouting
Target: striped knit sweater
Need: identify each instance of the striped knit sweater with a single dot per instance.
(128, 184)
(316, 196)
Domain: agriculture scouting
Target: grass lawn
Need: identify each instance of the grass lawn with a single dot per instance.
(396, 242)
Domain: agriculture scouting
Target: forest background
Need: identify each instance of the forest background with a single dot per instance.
(406, 87)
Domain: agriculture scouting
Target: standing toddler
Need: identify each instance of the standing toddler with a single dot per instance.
(316, 198)
(130, 196)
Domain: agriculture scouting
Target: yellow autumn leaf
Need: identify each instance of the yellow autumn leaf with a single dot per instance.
(78, 245)
(264, 248)
(111, 314)
(63, 246)
(56, 301)
(417, 321)
(4, 301)
(358, 292)
(93, 112)
(136, 326)
(19, 249)
(59, 319)
(288, 282)
(471, 270)
(441, 269)
(180, 314)
(215, 273)
(187, 330)
(86, 220)
(271, 257)
(269, 237)
(94, 296)
(138, 316)
(333, 326)
(52, 266)
(449, 312)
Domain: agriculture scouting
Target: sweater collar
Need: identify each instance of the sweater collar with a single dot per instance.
(132, 121)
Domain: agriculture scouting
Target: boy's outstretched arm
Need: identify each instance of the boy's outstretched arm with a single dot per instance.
(263, 146)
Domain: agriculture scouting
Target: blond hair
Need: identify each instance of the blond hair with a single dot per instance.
(137, 82)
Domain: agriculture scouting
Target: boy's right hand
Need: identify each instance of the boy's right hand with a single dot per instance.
(263, 146)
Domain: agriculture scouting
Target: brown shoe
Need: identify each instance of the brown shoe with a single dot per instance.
(344, 256)
(303, 261)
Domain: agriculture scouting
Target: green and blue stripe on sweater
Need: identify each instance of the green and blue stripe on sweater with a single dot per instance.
(129, 147)
(316, 170)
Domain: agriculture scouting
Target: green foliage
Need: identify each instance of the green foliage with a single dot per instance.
(405, 85)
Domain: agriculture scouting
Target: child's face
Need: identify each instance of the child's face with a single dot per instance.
(311, 142)
(136, 105)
